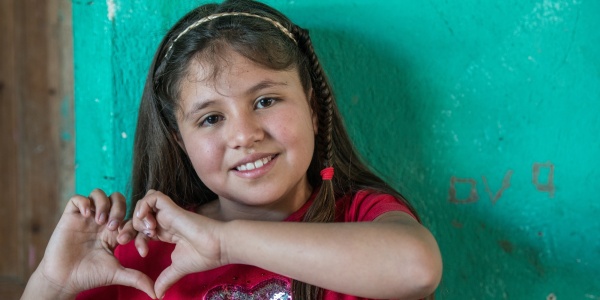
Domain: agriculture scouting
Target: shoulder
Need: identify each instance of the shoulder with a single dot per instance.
(368, 205)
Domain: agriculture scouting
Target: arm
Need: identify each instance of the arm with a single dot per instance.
(393, 257)
(79, 255)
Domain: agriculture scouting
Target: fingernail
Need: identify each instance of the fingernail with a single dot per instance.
(102, 218)
(127, 237)
(147, 224)
(147, 233)
(113, 225)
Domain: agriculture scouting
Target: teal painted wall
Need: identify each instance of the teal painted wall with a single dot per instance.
(485, 114)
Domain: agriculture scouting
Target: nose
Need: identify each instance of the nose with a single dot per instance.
(244, 130)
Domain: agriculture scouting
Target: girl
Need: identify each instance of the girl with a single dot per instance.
(249, 186)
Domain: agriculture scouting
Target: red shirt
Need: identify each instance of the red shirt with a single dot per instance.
(238, 281)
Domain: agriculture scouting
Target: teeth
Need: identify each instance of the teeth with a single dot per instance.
(259, 163)
(254, 165)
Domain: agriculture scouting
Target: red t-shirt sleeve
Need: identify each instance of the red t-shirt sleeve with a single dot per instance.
(366, 206)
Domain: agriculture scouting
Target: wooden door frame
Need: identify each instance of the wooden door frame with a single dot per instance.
(36, 132)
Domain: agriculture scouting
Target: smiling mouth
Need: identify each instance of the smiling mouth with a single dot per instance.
(256, 164)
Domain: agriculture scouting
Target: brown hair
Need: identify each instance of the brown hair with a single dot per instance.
(159, 163)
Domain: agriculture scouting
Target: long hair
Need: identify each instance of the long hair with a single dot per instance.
(159, 162)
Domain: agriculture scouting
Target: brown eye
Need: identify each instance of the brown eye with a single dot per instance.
(211, 120)
(265, 102)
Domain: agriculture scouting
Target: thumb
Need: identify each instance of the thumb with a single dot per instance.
(165, 280)
(135, 279)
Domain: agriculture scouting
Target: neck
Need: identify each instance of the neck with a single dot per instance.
(278, 210)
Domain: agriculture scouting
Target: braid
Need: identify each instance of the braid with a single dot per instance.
(323, 208)
(323, 96)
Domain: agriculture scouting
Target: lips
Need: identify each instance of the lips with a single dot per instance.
(255, 164)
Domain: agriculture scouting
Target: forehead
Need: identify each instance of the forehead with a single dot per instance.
(229, 71)
(205, 67)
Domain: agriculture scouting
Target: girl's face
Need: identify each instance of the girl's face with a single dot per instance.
(249, 133)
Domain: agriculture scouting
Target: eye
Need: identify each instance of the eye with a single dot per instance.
(265, 102)
(211, 120)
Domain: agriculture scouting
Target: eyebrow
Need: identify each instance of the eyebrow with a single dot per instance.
(263, 85)
(253, 89)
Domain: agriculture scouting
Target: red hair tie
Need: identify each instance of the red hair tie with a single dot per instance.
(327, 173)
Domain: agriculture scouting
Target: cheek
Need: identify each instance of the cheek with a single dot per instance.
(298, 135)
(205, 156)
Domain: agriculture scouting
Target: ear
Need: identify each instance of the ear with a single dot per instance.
(315, 115)
(179, 140)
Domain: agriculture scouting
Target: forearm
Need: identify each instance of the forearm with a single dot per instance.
(379, 260)
(39, 287)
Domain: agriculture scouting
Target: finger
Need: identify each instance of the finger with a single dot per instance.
(141, 243)
(118, 209)
(126, 233)
(145, 211)
(102, 205)
(137, 225)
(143, 207)
(165, 280)
(135, 279)
(154, 201)
(79, 204)
(143, 217)
(139, 203)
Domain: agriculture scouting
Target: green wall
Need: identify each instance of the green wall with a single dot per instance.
(483, 113)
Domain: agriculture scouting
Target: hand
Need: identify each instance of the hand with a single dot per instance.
(80, 256)
(197, 238)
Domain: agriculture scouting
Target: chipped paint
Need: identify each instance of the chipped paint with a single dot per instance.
(112, 10)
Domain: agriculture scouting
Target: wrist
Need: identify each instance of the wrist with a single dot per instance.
(227, 236)
(40, 286)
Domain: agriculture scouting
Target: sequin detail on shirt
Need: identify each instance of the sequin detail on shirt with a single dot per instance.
(273, 289)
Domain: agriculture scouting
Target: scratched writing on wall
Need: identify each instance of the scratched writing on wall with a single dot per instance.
(540, 182)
